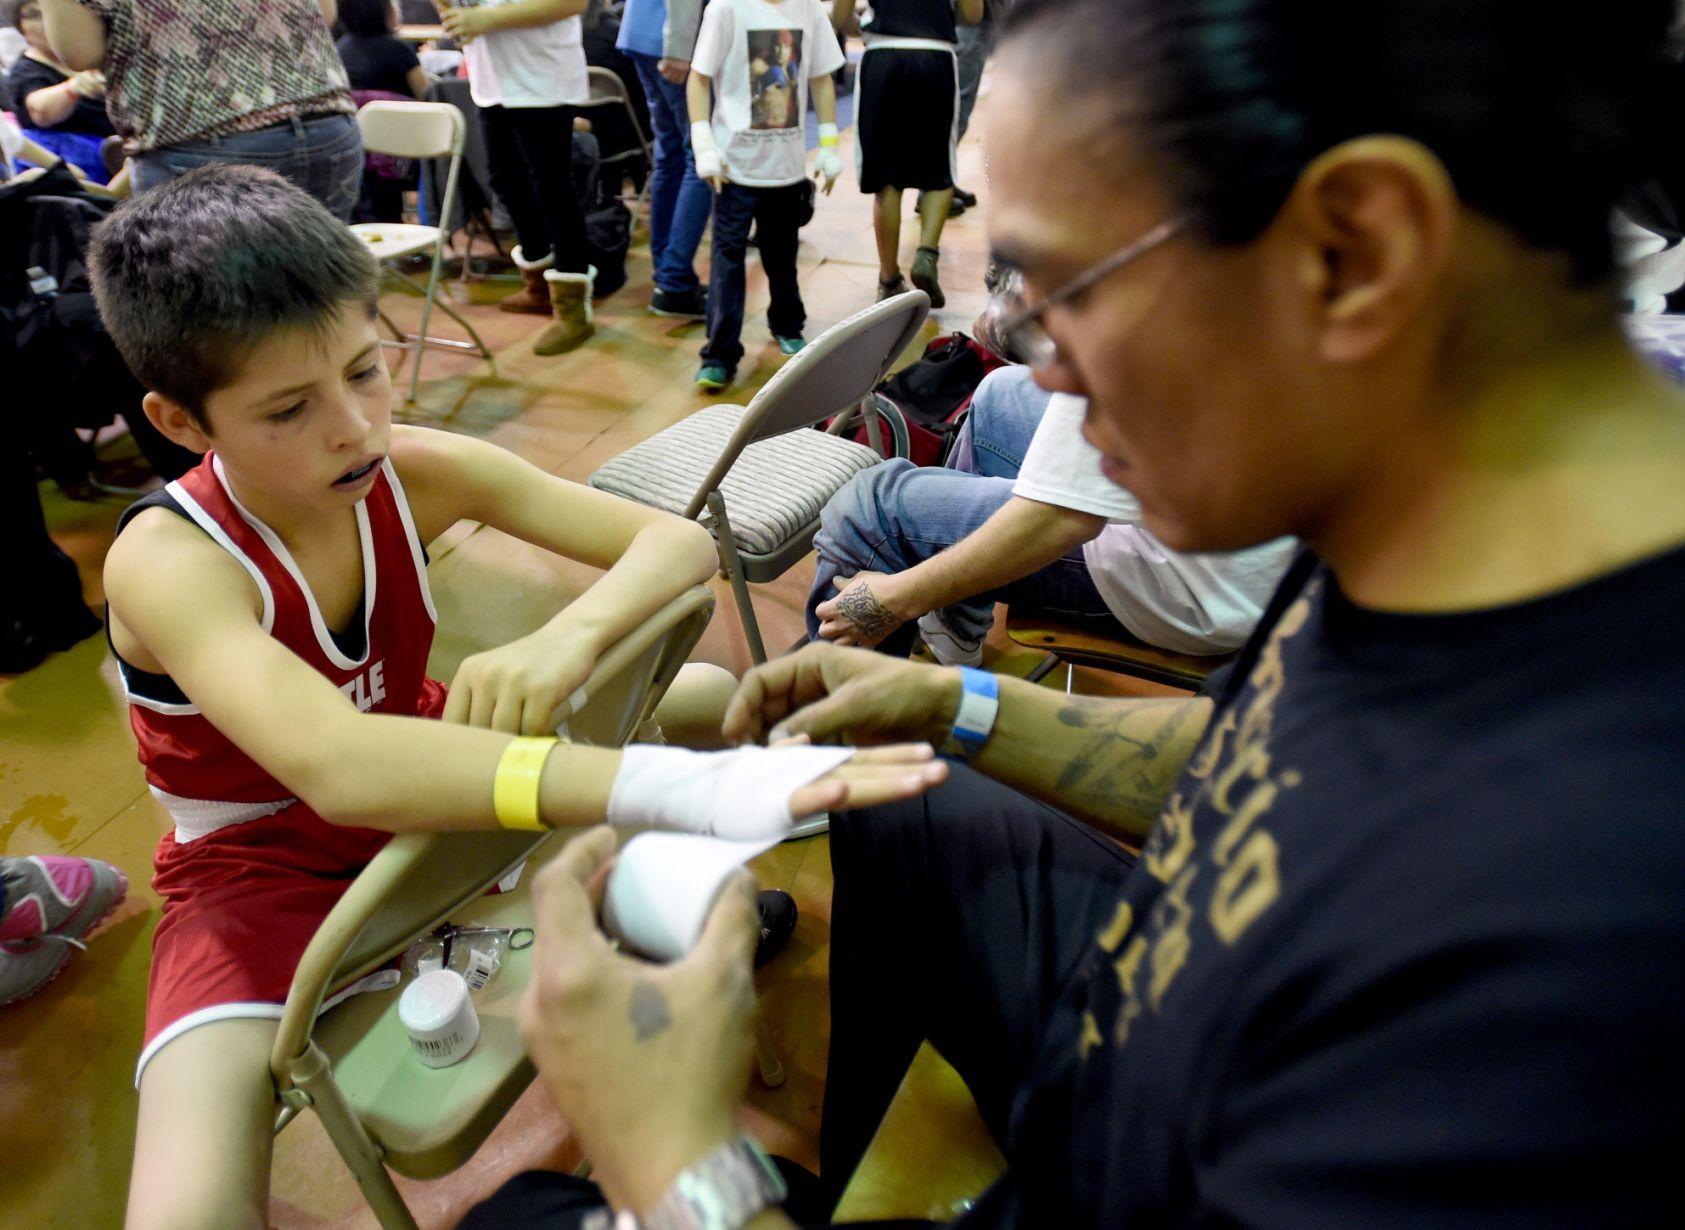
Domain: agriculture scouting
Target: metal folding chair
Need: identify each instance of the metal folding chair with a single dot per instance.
(353, 1066)
(774, 478)
(417, 130)
(608, 90)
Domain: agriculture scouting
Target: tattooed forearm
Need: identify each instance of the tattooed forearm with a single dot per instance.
(1129, 754)
(860, 606)
(648, 1013)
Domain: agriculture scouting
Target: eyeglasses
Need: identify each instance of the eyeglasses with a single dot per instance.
(1023, 329)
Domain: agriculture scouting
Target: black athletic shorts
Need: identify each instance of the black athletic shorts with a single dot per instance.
(907, 105)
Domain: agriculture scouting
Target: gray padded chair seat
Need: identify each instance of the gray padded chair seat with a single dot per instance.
(773, 493)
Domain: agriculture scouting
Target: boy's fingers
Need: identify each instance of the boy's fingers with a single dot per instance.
(818, 796)
(892, 753)
(456, 703)
(506, 715)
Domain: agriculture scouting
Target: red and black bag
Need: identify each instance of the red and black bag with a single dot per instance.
(925, 403)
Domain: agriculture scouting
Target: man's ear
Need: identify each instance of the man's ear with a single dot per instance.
(176, 423)
(1376, 218)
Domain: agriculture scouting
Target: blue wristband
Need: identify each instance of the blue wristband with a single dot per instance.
(979, 703)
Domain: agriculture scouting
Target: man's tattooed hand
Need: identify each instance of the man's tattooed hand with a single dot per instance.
(860, 606)
(649, 1012)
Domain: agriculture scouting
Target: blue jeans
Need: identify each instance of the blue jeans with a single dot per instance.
(896, 515)
(324, 156)
(774, 211)
(975, 44)
(679, 201)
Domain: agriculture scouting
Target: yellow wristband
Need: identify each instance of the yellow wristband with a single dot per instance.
(514, 792)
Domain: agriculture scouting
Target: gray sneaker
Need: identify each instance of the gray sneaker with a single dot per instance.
(52, 901)
(947, 646)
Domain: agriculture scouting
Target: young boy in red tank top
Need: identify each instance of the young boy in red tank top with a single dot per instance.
(271, 615)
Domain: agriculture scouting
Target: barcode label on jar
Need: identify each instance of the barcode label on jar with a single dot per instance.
(438, 1046)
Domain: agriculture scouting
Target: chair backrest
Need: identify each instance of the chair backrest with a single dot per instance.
(439, 873)
(832, 373)
(412, 129)
(605, 86)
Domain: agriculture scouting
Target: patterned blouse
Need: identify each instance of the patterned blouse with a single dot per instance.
(184, 70)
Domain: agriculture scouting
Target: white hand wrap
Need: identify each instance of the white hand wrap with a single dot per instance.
(709, 164)
(829, 162)
(740, 795)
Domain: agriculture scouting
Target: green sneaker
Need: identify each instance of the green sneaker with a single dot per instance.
(789, 345)
(712, 377)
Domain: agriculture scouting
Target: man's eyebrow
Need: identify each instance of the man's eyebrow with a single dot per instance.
(1021, 254)
(364, 353)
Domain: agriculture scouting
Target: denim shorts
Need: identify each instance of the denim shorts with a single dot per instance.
(321, 154)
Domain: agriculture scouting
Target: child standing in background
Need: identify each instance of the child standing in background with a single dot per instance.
(908, 104)
(526, 71)
(748, 89)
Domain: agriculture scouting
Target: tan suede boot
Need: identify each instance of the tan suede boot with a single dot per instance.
(534, 297)
(570, 301)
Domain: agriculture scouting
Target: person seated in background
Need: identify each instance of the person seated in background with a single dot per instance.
(62, 109)
(380, 65)
(374, 57)
(1023, 513)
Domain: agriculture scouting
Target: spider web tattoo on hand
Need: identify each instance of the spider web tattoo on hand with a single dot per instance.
(860, 606)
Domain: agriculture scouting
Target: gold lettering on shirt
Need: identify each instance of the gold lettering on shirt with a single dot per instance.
(1247, 887)
(1205, 763)
(1115, 930)
(1091, 1036)
(1170, 950)
(1128, 969)
(1172, 842)
(1234, 772)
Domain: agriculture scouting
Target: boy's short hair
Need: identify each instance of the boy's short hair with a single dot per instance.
(191, 276)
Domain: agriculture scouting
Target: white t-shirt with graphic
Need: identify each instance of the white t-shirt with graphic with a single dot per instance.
(531, 66)
(761, 57)
(1206, 604)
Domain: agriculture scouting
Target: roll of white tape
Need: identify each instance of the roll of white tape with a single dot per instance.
(439, 1017)
(663, 886)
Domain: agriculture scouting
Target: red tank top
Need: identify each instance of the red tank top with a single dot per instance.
(182, 752)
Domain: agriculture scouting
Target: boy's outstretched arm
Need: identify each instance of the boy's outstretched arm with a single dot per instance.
(182, 605)
(650, 557)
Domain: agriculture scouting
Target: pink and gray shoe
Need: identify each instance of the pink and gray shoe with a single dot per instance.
(51, 902)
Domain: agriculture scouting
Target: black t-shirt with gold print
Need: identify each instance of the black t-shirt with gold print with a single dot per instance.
(1407, 947)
